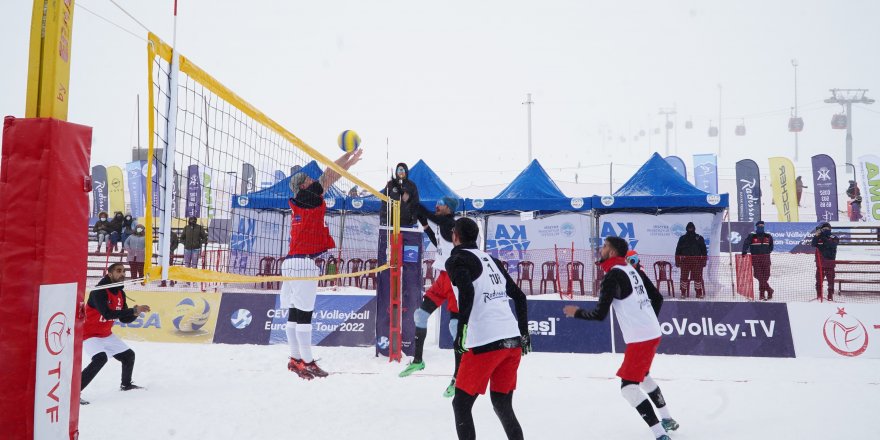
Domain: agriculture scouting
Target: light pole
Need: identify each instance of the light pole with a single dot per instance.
(667, 112)
(794, 63)
(720, 131)
(528, 105)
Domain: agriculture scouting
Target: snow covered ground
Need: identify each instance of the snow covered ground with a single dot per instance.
(245, 392)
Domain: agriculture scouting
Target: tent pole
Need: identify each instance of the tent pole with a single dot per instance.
(730, 254)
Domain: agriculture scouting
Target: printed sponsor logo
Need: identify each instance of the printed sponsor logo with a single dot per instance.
(748, 189)
(243, 200)
(357, 203)
(871, 171)
(845, 334)
(823, 174)
(713, 199)
(509, 237)
(784, 195)
(577, 203)
(479, 203)
(748, 328)
(735, 237)
(383, 343)
(624, 230)
(54, 334)
(241, 318)
(607, 200)
(567, 229)
(330, 202)
(546, 327)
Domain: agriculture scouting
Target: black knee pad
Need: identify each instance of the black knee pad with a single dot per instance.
(100, 358)
(428, 305)
(299, 316)
(624, 382)
(125, 356)
(453, 315)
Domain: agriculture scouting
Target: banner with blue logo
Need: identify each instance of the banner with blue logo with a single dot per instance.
(658, 234)
(339, 320)
(272, 227)
(245, 318)
(678, 164)
(706, 172)
(100, 191)
(748, 194)
(137, 185)
(722, 329)
(787, 237)
(825, 188)
(412, 292)
(508, 238)
(551, 331)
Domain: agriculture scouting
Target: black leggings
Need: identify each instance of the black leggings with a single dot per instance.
(98, 361)
(463, 403)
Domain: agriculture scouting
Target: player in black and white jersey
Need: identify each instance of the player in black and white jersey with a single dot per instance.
(491, 338)
(636, 305)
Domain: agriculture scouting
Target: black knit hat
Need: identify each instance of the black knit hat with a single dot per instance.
(759, 222)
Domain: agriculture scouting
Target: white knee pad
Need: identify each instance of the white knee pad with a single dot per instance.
(633, 395)
(648, 384)
(421, 318)
(453, 327)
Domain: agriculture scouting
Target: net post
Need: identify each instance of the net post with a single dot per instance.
(168, 167)
(395, 333)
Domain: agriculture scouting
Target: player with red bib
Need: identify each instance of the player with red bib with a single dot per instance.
(636, 304)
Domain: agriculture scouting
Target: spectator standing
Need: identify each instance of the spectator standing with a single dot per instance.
(405, 190)
(102, 230)
(855, 201)
(826, 255)
(134, 246)
(194, 236)
(760, 244)
(127, 227)
(691, 256)
(799, 188)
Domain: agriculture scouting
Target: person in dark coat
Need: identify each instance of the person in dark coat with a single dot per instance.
(102, 231)
(116, 229)
(405, 190)
(691, 256)
(826, 255)
(855, 201)
(760, 244)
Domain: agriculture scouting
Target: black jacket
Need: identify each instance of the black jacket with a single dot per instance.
(616, 285)
(827, 246)
(98, 301)
(116, 223)
(394, 189)
(758, 244)
(691, 244)
(464, 268)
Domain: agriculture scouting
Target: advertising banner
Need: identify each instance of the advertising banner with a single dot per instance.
(136, 187)
(782, 180)
(245, 318)
(748, 191)
(208, 194)
(193, 192)
(411, 295)
(869, 170)
(551, 331)
(175, 194)
(722, 329)
(116, 185)
(509, 237)
(256, 234)
(825, 188)
(787, 237)
(340, 320)
(836, 330)
(658, 234)
(54, 363)
(175, 317)
(361, 232)
(706, 172)
(678, 164)
(100, 191)
(248, 178)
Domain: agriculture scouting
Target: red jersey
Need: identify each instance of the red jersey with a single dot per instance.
(308, 232)
(96, 326)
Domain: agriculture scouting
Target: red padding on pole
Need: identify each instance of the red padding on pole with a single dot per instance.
(43, 241)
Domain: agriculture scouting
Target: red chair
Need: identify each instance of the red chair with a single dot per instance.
(548, 275)
(663, 272)
(354, 265)
(575, 271)
(322, 266)
(429, 271)
(525, 272)
(276, 271)
(370, 264)
(333, 267)
(505, 265)
(265, 269)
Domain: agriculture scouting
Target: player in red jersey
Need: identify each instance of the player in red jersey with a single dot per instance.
(309, 239)
(636, 304)
(103, 307)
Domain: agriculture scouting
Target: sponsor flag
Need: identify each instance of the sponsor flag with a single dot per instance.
(782, 181)
(748, 191)
(116, 184)
(158, 181)
(208, 194)
(248, 178)
(193, 192)
(706, 172)
(869, 167)
(175, 194)
(825, 187)
(678, 164)
(100, 198)
(136, 187)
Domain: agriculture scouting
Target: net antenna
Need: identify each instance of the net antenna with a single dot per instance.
(168, 156)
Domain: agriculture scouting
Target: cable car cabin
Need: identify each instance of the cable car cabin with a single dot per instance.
(642, 133)
(713, 131)
(796, 125)
(669, 125)
(688, 124)
(740, 130)
(656, 131)
(839, 122)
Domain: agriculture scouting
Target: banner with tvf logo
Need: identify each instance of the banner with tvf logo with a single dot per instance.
(784, 192)
(869, 168)
(835, 329)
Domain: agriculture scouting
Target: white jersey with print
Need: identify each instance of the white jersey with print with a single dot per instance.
(634, 313)
(443, 248)
(491, 318)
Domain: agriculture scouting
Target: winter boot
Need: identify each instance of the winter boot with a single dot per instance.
(412, 368)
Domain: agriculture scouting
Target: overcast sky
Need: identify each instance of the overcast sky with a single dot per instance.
(445, 81)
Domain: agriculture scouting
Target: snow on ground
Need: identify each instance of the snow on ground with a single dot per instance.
(245, 392)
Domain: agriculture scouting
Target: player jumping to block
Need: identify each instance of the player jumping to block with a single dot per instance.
(636, 304)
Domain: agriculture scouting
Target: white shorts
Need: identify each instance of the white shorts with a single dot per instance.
(111, 345)
(299, 294)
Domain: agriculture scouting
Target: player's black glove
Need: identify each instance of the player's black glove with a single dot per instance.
(526, 342)
(460, 339)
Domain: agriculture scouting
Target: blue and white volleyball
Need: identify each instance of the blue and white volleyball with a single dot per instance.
(349, 141)
(191, 314)
(241, 318)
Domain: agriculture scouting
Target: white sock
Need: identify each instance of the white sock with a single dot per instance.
(658, 430)
(664, 412)
(304, 337)
(290, 329)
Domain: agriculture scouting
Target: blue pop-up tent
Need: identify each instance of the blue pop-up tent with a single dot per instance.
(431, 189)
(531, 190)
(277, 195)
(657, 188)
